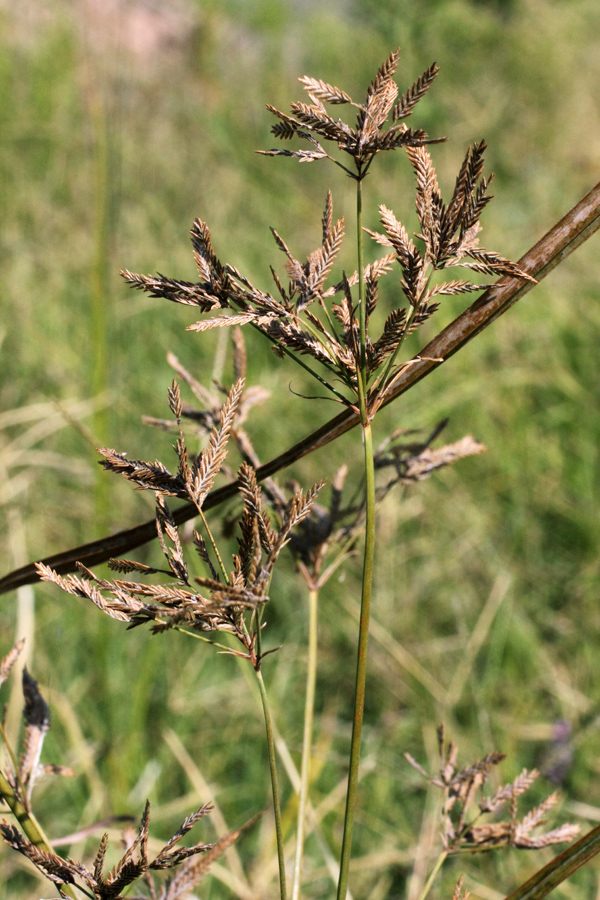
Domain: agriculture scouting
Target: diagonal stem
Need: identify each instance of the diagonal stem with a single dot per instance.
(28, 823)
(560, 868)
(571, 232)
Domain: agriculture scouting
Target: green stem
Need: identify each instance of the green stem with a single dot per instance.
(367, 574)
(432, 875)
(28, 823)
(274, 784)
(361, 665)
(309, 708)
(99, 285)
(213, 544)
(205, 640)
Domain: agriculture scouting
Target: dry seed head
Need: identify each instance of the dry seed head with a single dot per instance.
(323, 91)
(460, 789)
(10, 659)
(458, 894)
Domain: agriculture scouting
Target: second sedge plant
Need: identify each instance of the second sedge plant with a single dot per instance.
(325, 328)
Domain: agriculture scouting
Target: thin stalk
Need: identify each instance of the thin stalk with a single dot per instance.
(213, 545)
(564, 238)
(362, 311)
(13, 759)
(99, 285)
(309, 708)
(432, 875)
(274, 784)
(205, 640)
(258, 631)
(28, 823)
(315, 375)
(361, 665)
(299, 361)
(367, 574)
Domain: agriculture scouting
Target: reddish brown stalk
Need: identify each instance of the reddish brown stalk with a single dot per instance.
(573, 230)
(559, 869)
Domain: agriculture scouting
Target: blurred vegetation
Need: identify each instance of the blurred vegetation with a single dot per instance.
(114, 138)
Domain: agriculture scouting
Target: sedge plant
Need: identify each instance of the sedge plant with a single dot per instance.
(324, 325)
(330, 325)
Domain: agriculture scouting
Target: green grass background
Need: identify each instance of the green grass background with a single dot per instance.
(106, 157)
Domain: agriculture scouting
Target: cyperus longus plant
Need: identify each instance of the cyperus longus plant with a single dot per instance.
(324, 325)
(330, 325)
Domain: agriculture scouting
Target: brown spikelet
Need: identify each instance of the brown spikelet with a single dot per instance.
(58, 870)
(466, 180)
(193, 870)
(71, 584)
(208, 463)
(377, 109)
(130, 565)
(169, 857)
(429, 200)
(316, 118)
(37, 722)
(323, 91)
(100, 856)
(222, 322)
(392, 334)
(408, 101)
(397, 236)
(9, 660)
(384, 74)
(460, 789)
(458, 894)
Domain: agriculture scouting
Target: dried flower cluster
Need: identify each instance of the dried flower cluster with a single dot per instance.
(133, 864)
(363, 142)
(297, 319)
(308, 315)
(23, 775)
(325, 531)
(231, 603)
(16, 786)
(461, 810)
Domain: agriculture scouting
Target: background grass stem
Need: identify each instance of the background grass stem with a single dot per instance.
(274, 785)
(311, 681)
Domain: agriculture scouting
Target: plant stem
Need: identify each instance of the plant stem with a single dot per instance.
(566, 236)
(309, 706)
(361, 665)
(27, 822)
(367, 574)
(99, 284)
(561, 868)
(361, 303)
(274, 784)
(213, 544)
(432, 875)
